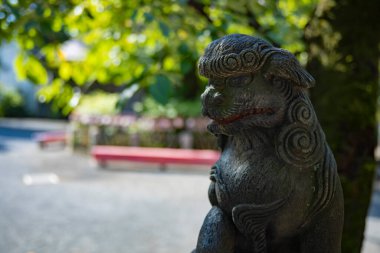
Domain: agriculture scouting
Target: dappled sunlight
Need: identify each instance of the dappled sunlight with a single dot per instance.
(40, 178)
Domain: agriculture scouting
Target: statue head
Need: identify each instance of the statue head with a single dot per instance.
(251, 83)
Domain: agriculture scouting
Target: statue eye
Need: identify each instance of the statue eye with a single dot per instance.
(239, 81)
(277, 82)
(217, 83)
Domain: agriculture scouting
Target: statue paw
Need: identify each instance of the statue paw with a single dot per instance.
(213, 173)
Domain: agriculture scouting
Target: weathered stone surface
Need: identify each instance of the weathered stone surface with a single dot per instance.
(275, 187)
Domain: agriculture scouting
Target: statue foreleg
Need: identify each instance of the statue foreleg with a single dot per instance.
(251, 220)
(217, 234)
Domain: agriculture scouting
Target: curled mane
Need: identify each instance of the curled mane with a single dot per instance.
(237, 53)
(301, 143)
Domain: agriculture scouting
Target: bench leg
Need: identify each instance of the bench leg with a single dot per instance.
(102, 164)
(163, 167)
(41, 144)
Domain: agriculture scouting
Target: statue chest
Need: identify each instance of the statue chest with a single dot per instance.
(253, 176)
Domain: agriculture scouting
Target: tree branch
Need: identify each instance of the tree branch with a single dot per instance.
(199, 7)
(252, 21)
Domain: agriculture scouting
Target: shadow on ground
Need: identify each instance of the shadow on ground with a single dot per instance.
(3, 147)
(18, 133)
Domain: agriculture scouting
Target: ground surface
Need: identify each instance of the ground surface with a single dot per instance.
(52, 201)
(372, 233)
(138, 209)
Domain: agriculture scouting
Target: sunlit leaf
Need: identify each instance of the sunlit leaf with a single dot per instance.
(65, 71)
(169, 63)
(35, 72)
(80, 76)
(20, 67)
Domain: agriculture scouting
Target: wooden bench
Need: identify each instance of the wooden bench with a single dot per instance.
(45, 138)
(161, 156)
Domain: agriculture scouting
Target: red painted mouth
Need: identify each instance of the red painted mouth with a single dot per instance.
(254, 111)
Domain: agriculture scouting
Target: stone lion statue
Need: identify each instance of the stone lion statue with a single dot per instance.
(275, 187)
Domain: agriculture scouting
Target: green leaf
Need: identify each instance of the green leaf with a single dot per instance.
(134, 15)
(148, 17)
(161, 89)
(65, 71)
(183, 48)
(165, 30)
(169, 63)
(20, 67)
(186, 67)
(35, 72)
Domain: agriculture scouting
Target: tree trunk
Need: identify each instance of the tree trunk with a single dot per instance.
(343, 43)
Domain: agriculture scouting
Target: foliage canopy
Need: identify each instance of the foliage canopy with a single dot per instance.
(155, 44)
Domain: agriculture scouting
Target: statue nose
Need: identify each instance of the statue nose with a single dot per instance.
(210, 96)
(218, 99)
(205, 97)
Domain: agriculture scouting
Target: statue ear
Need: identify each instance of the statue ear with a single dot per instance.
(285, 66)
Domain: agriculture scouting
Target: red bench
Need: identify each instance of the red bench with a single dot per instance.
(50, 137)
(162, 156)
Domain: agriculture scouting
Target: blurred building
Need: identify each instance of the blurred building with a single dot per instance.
(8, 78)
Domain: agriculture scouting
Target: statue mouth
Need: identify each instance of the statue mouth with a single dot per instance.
(244, 115)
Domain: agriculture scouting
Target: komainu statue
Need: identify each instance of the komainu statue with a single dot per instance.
(275, 187)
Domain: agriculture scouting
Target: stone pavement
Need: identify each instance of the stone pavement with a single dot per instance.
(52, 201)
(372, 232)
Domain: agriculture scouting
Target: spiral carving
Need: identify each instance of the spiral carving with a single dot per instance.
(300, 111)
(299, 145)
(231, 62)
(283, 86)
(248, 60)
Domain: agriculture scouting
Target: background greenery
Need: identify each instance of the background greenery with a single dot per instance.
(154, 45)
(11, 103)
